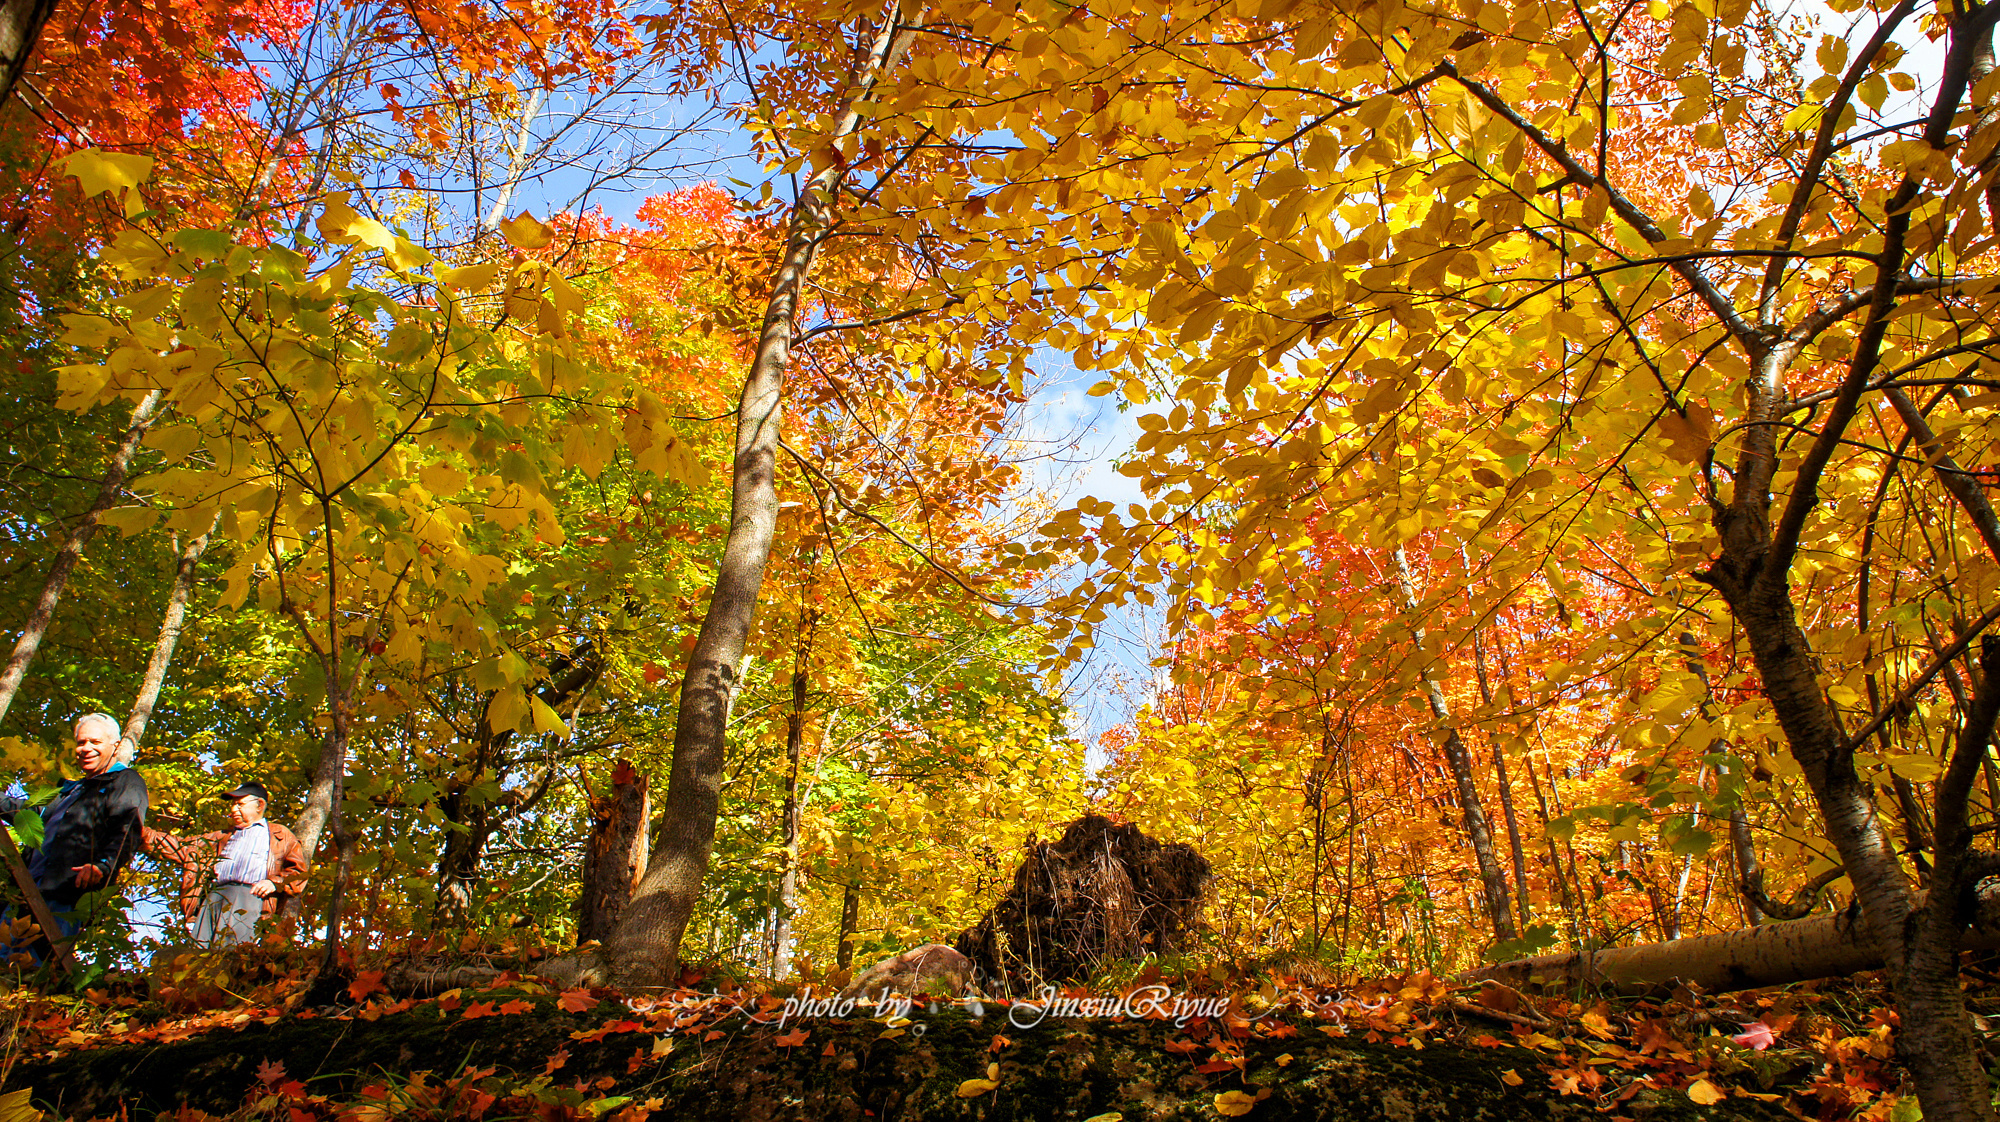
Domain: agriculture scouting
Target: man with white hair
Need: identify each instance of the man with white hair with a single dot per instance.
(92, 827)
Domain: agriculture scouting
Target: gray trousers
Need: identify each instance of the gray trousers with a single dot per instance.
(229, 914)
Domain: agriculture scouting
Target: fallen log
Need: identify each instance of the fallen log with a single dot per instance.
(1772, 954)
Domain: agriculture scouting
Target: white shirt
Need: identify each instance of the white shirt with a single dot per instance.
(246, 856)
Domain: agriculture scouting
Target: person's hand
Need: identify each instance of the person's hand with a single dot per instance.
(87, 877)
(263, 889)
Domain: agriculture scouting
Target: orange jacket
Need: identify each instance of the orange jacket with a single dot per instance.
(197, 857)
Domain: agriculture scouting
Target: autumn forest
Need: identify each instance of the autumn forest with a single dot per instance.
(660, 492)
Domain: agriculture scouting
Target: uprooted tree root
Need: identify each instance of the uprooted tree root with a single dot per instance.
(1102, 893)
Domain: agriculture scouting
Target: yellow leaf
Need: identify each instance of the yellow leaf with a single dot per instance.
(508, 710)
(525, 231)
(1687, 438)
(14, 1104)
(341, 224)
(972, 1088)
(440, 480)
(332, 281)
(1232, 1104)
(128, 520)
(1111, 1116)
(471, 277)
(404, 255)
(567, 300)
(98, 171)
(1706, 1093)
(1510, 1078)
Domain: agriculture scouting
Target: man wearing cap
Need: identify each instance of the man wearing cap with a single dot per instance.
(250, 869)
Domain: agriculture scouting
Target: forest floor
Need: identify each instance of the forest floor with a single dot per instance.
(239, 1038)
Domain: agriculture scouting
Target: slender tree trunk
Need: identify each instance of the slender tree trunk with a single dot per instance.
(343, 871)
(646, 945)
(788, 880)
(1513, 820)
(850, 924)
(170, 636)
(71, 552)
(21, 24)
(1493, 880)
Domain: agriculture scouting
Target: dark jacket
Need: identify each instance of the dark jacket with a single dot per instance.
(95, 820)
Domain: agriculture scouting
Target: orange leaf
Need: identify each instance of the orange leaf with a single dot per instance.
(365, 983)
(479, 1009)
(791, 1039)
(518, 1006)
(576, 1001)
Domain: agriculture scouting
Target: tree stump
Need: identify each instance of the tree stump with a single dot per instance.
(1104, 892)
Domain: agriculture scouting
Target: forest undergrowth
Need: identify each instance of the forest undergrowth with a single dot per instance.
(238, 1037)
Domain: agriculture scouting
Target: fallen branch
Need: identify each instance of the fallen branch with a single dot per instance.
(1822, 946)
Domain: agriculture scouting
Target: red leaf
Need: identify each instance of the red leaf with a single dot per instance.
(556, 1061)
(576, 1001)
(365, 983)
(448, 1002)
(270, 1071)
(406, 179)
(1213, 1066)
(1182, 1047)
(654, 675)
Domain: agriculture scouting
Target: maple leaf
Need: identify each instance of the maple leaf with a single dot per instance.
(556, 1061)
(366, 982)
(479, 1009)
(791, 1039)
(1757, 1035)
(270, 1072)
(525, 231)
(518, 1005)
(576, 1001)
(448, 1001)
(1181, 1047)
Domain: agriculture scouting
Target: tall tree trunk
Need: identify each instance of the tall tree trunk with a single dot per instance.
(170, 636)
(1492, 879)
(44, 611)
(794, 810)
(1513, 820)
(21, 24)
(646, 945)
(615, 858)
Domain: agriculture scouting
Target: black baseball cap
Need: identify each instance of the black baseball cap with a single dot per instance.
(247, 790)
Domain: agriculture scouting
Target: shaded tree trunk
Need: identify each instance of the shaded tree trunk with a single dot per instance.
(615, 858)
(850, 925)
(21, 23)
(646, 945)
(44, 611)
